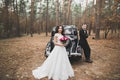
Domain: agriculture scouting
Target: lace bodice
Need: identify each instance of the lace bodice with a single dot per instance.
(58, 37)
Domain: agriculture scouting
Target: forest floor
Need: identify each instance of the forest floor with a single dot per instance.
(19, 56)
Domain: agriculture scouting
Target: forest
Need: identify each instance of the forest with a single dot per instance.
(25, 31)
(19, 17)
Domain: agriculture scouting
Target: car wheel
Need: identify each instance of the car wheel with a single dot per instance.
(47, 50)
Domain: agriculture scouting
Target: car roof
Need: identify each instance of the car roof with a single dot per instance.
(67, 27)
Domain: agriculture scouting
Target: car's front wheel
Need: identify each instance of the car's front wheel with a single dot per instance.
(48, 49)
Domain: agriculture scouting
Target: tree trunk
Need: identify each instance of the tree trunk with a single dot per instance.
(57, 12)
(95, 14)
(32, 17)
(85, 21)
(98, 20)
(18, 25)
(68, 14)
(26, 25)
(6, 20)
(47, 19)
(39, 31)
(90, 28)
(63, 10)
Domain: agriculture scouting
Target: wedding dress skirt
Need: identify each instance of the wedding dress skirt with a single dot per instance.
(57, 66)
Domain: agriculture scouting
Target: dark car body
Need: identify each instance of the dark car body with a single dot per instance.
(72, 47)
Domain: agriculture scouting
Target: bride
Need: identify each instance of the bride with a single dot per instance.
(57, 65)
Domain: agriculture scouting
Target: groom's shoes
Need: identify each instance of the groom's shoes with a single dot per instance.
(88, 61)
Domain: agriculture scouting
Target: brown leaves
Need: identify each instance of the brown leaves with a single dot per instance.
(19, 56)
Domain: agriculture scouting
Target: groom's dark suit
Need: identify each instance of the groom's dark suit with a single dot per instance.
(84, 44)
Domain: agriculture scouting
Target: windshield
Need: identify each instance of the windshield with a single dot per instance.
(68, 30)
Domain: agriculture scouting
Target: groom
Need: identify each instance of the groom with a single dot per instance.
(84, 44)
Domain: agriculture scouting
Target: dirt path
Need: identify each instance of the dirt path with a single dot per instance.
(19, 56)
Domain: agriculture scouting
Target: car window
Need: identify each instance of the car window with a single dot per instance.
(71, 31)
(68, 31)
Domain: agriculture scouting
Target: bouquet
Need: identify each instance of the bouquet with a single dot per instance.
(64, 39)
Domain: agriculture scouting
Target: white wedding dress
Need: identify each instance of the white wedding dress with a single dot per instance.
(56, 66)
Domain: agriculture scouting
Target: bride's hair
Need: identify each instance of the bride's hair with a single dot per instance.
(57, 27)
